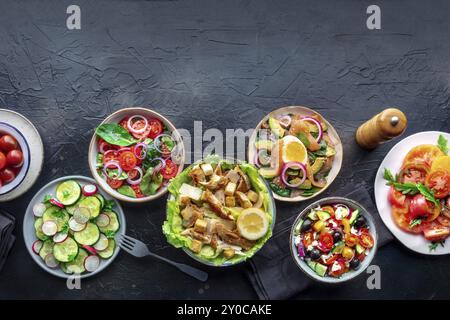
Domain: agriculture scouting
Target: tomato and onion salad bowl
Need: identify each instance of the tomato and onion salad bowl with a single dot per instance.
(146, 128)
(301, 259)
(15, 158)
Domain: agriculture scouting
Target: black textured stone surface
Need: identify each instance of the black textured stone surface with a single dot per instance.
(227, 63)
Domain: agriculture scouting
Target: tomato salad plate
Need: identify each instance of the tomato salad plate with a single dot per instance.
(70, 227)
(412, 192)
(297, 151)
(134, 153)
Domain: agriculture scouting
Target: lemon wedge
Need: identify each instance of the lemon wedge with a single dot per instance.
(294, 150)
(252, 223)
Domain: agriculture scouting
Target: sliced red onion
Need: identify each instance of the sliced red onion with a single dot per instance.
(319, 126)
(114, 164)
(124, 149)
(101, 147)
(285, 120)
(143, 153)
(161, 165)
(350, 211)
(138, 180)
(137, 131)
(296, 165)
(157, 142)
(107, 152)
(300, 250)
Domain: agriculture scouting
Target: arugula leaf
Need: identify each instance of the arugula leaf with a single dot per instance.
(443, 144)
(387, 175)
(115, 134)
(414, 223)
(150, 182)
(433, 246)
(427, 193)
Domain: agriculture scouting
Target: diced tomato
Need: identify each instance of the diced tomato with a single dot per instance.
(325, 242)
(331, 259)
(127, 160)
(351, 240)
(170, 170)
(396, 198)
(340, 271)
(366, 240)
(114, 183)
(308, 238)
(138, 191)
(361, 256)
(156, 128)
(439, 182)
(436, 232)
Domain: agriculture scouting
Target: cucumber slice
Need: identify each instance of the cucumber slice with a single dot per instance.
(38, 227)
(93, 204)
(47, 248)
(113, 225)
(320, 269)
(77, 265)
(65, 251)
(311, 264)
(60, 216)
(360, 249)
(109, 251)
(88, 236)
(338, 247)
(101, 198)
(312, 215)
(355, 215)
(68, 192)
(323, 215)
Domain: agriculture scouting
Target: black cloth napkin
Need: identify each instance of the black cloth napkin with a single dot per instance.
(7, 239)
(273, 272)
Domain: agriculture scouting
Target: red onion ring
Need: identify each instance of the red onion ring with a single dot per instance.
(137, 131)
(285, 120)
(317, 123)
(108, 152)
(157, 143)
(101, 147)
(297, 165)
(138, 180)
(124, 149)
(115, 164)
(143, 153)
(161, 165)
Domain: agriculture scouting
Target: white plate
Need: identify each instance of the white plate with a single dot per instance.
(32, 137)
(29, 234)
(393, 161)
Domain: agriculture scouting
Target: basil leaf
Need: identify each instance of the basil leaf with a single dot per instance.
(115, 134)
(127, 191)
(150, 183)
(279, 190)
(443, 144)
(427, 193)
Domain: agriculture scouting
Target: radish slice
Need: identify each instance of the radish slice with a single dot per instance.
(60, 237)
(49, 228)
(91, 263)
(50, 261)
(102, 220)
(56, 203)
(90, 249)
(89, 190)
(102, 243)
(37, 246)
(39, 209)
(81, 215)
(75, 226)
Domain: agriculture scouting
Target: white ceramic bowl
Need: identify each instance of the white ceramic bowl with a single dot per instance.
(346, 276)
(9, 129)
(337, 164)
(115, 118)
(29, 233)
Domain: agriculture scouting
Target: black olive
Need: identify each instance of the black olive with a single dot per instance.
(354, 264)
(315, 254)
(360, 222)
(307, 224)
(337, 236)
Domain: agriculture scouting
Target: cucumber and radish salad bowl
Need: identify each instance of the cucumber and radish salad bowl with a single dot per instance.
(297, 151)
(333, 240)
(134, 153)
(70, 227)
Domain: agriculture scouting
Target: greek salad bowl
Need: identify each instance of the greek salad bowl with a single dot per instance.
(220, 211)
(333, 240)
(134, 153)
(15, 158)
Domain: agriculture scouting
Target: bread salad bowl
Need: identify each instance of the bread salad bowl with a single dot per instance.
(220, 212)
(297, 151)
(134, 153)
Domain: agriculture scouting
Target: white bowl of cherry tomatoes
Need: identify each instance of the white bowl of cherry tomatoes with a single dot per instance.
(14, 158)
(134, 153)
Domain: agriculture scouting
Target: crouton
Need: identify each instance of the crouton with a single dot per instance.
(207, 169)
(228, 253)
(243, 200)
(230, 201)
(196, 246)
(230, 188)
(200, 225)
(252, 196)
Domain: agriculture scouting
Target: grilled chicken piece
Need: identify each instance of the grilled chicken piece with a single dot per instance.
(197, 235)
(215, 205)
(244, 201)
(233, 176)
(190, 215)
(244, 183)
(220, 195)
(213, 183)
(231, 237)
(212, 225)
(214, 241)
(197, 175)
(298, 125)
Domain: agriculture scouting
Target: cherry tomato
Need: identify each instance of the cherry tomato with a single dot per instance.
(8, 143)
(439, 182)
(110, 156)
(14, 158)
(366, 240)
(351, 240)
(137, 151)
(436, 232)
(7, 175)
(124, 123)
(132, 174)
(138, 125)
(104, 146)
(338, 271)
(2, 160)
(127, 160)
(396, 198)
(138, 191)
(170, 170)
(330, 260)
(325, 242)
(156, 128)
(348, 253)
(361, 256)
(114, 183)
(308, 239)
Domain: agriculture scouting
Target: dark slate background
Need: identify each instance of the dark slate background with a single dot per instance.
(227, 63)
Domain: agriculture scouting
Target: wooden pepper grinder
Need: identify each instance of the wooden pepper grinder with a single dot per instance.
(382, 127)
